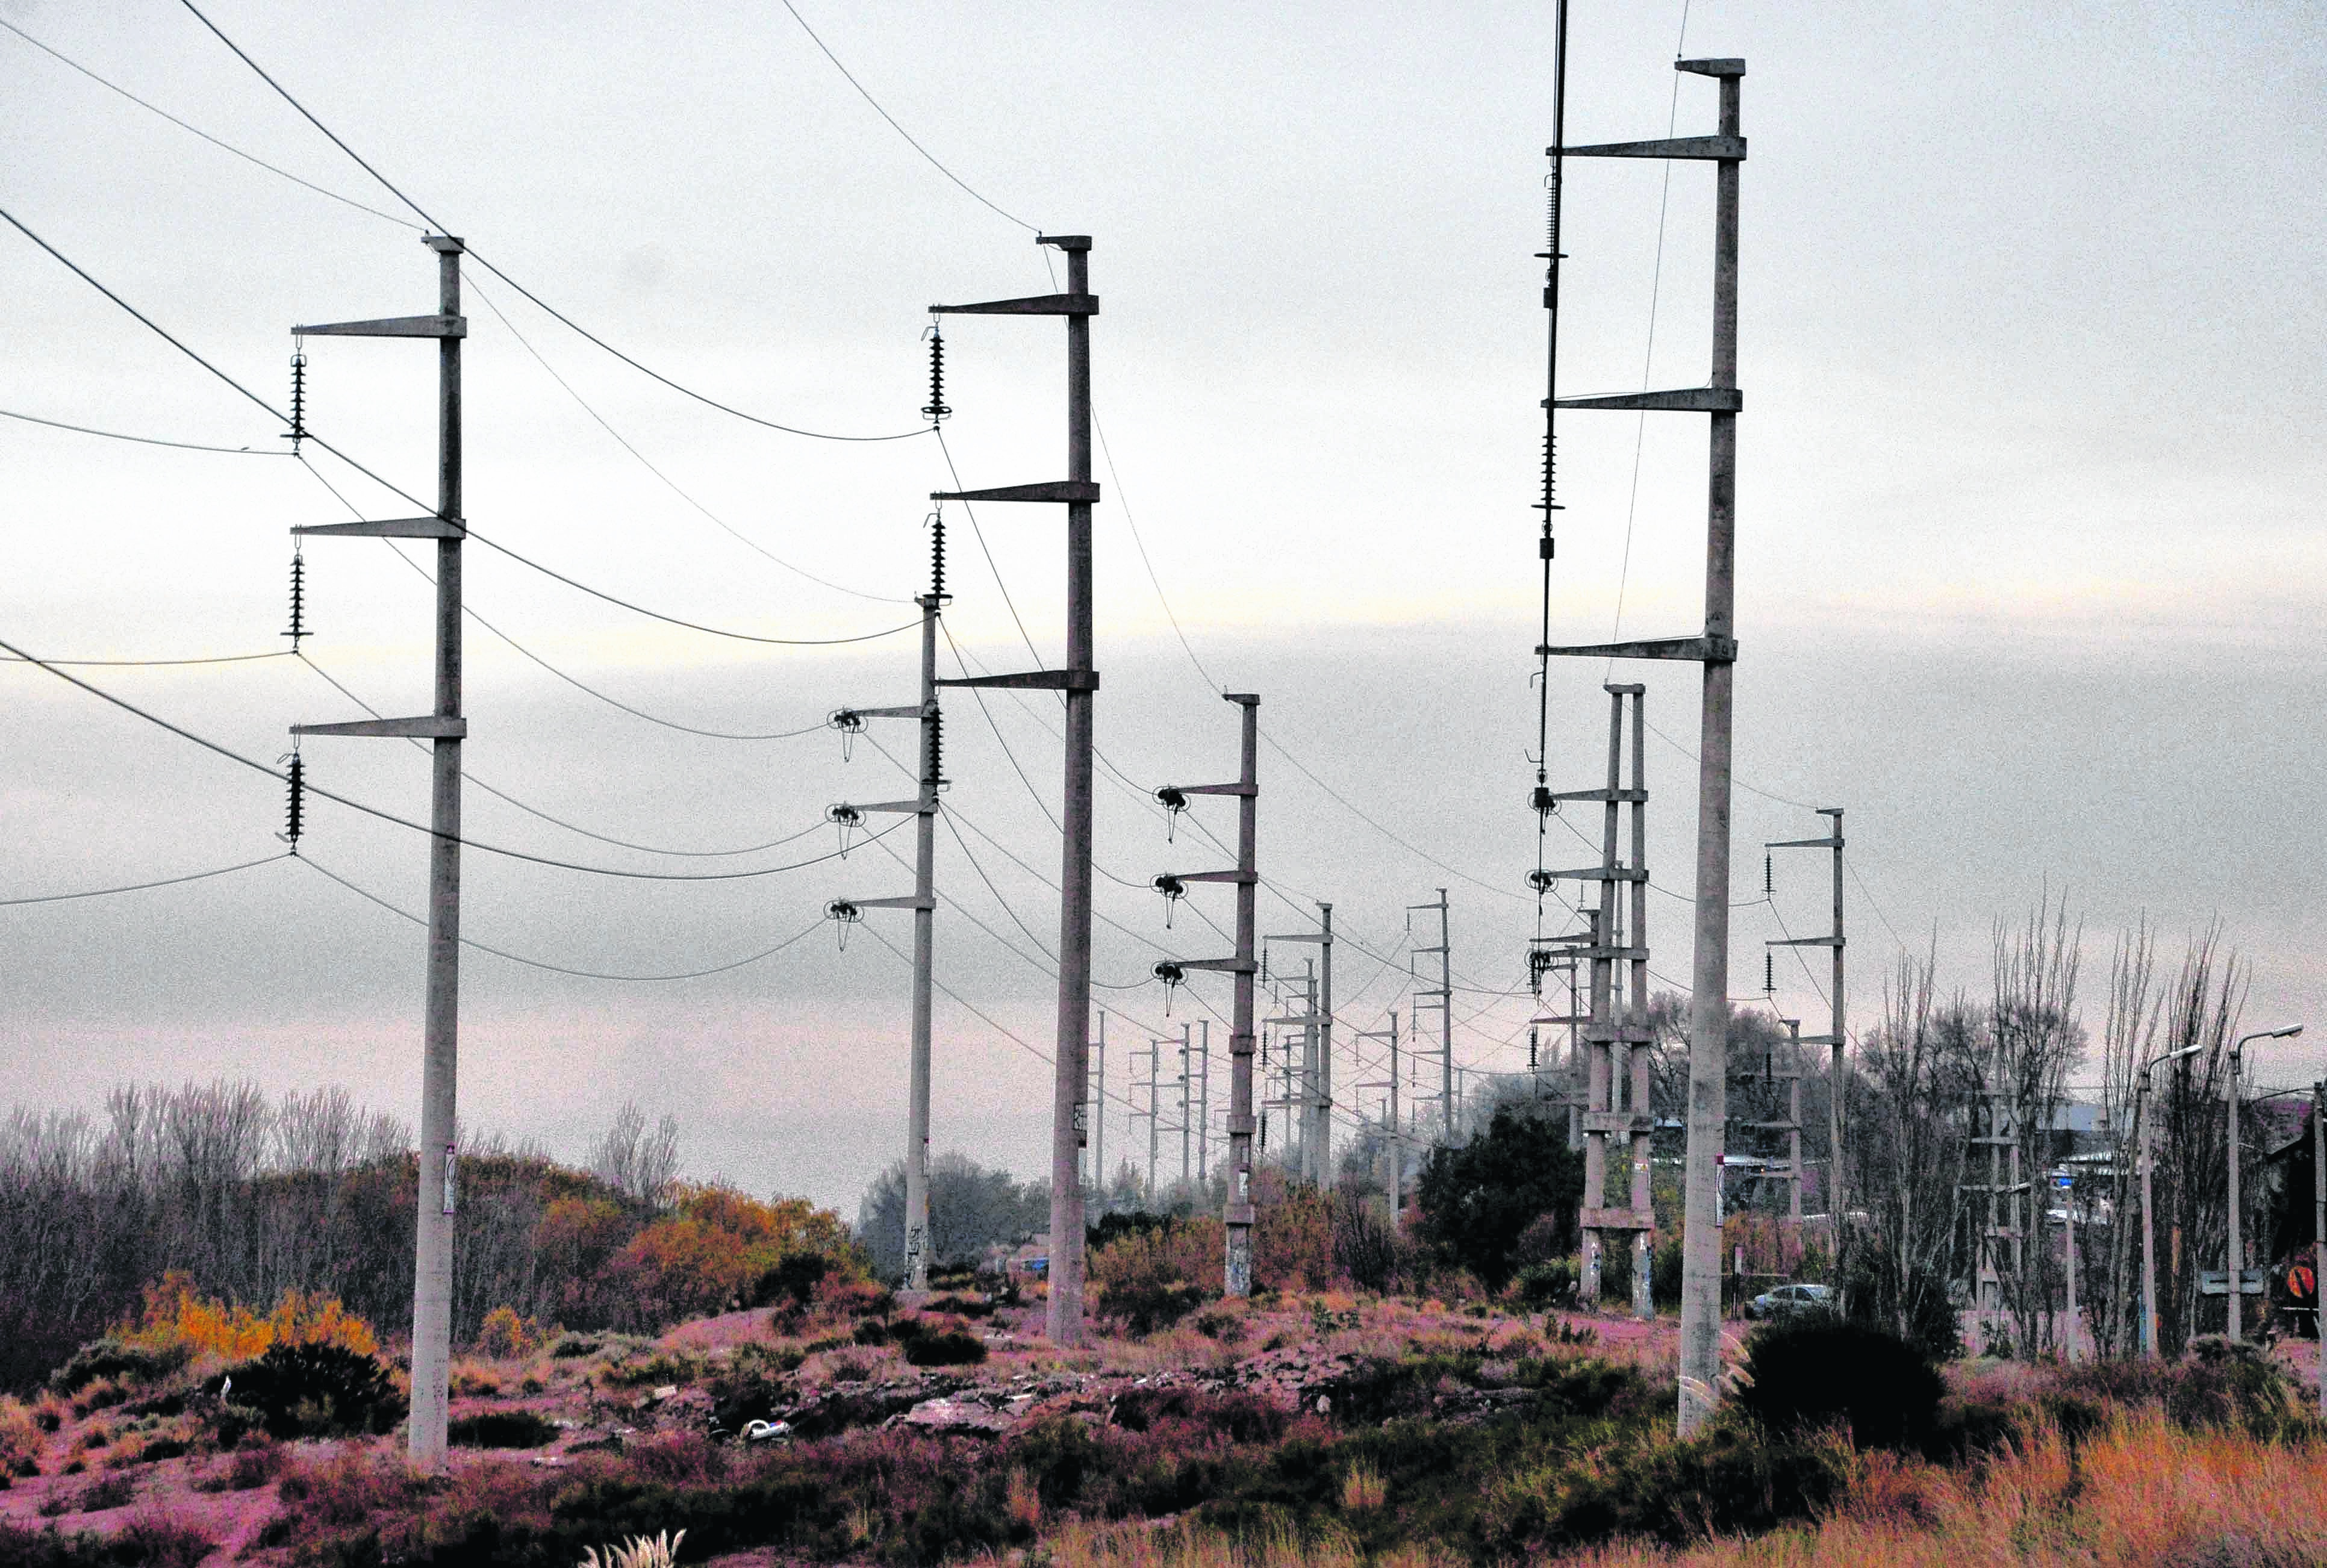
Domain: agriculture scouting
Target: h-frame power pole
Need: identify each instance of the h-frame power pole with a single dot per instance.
(1079, 683)
(1441, 996)
(1316, 1091)
(1716, 650)
(445, 728)
(1238, 1213)
(1616, 1036)
(923, 903)
(1835, 1038)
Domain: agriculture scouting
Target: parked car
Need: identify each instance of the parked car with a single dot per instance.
(1787, 1301)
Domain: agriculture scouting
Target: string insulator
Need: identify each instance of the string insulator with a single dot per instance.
(843, 914)
(298, 431)
(847, 818)
(1769, 873)
(937, 410)
(1542, 882)
(298, 600)
(937, 554)
(937, 746)
(294, 820)
(1769, 974)
(1171, 974)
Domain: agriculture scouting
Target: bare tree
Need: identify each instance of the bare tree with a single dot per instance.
(635, 1162)
(2034, 1040)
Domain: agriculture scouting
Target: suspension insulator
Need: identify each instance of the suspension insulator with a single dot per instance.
(1542, 882)
(850, 723)
(937, 746)
(298, 600)
(1769, 873)
(1769, 974)
(843, 914)
(1174, 800)
(1173, 890)
(936, 556)
(847, 818)
(937, 410)
(1543, 801)
(298, 431)
(294, 819)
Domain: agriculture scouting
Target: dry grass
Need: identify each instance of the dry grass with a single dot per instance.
(1190, 1547)
(2138, 1494)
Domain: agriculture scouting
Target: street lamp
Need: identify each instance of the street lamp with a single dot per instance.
(2141, 1136)
(2236, 1258)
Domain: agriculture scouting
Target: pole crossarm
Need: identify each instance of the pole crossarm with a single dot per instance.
(912, 808)
(1687, 400)
(1216, 876)
(1613, 796)
(390, 529)
(1802, 844)
(1716, 149)
(438, 326)
(1803, 942)
(1053, 680)
(1057, 305)
(1706, 649)
(1220, 966)
(1604, 873)
(909, 901)
(428, 727)
(1073, 492)
(917, 711)
(1242, 789)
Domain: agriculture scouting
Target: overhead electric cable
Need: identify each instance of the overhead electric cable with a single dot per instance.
(468, 777)
(167, 881)
(197, 130)
(159, 663)
(560, 968)
(474, 256)
(901, 130)
(646, 462)
(142, 439)
(314, 789)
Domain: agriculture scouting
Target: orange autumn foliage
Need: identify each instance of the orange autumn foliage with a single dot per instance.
(717, 1244)
(177, 1314)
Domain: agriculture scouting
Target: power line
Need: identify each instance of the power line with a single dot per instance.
(901, 130)
(560, 968)
(142, 439)
(159, 663)
(503, 795)
(624, 442)
(235, 756)
(205, 135)
(167, 881)
(567, 321)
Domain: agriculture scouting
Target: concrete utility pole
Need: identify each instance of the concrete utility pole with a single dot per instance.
(2236, 1256)
(922, 902)
(1442, 998)
(1187, 1100)
(2319, 1229)
(444, 728)
(1717, 652)
(1391, 1147)
(1238, 1214)
(1204, 1101)
(1079, 683)
(1098, 1114)
(1835, 1038)
(1616, 1035)
(1317, 1056)
(2146, 1141)
(1154, 1105)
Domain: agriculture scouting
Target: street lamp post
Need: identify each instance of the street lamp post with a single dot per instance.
(2144, 1140)
(2236, 1261)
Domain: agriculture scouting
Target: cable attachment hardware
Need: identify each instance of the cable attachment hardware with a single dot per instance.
(1173, 801)
(1542, 800)
(298, 599)
(843, 914)
(847, 818)
(1769, 974)
(937, 410)
(1174, 977)
(850, 723)
(1173, 890)
(298, 431)
(294, 820)
(1542, 882)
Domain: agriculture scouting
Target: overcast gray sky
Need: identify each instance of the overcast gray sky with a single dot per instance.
(2030, 560)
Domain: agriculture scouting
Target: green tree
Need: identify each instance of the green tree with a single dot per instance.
(1478, 1198)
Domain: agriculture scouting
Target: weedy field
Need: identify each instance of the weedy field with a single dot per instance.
(1297, 1428)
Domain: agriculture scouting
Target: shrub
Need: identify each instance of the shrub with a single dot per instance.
(317, 1390)
(117, 1361)
(114, 1491)
(1730, 1480)
(505, 1337)
(944, 1347)
(502, 1429)
(871, 1331)
(649, 1371)
(1549, 1284)
(2223, 1383)
(574, 1346)
(179, 1318)
(1479, 1199)
(20, 1438)
(146, 1542)
(1814, 1371)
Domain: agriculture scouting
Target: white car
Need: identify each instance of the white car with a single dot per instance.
(1788, 1300)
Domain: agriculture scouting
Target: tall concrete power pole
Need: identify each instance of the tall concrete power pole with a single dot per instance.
(1717, 652)
(444, 728)
(1079, 683)
(1237, 1211)
(922, 902)
(1836, 1040)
